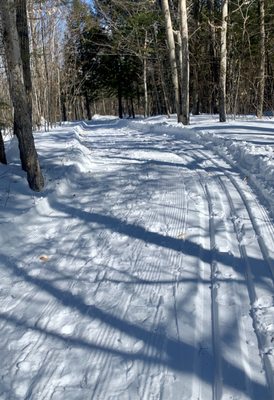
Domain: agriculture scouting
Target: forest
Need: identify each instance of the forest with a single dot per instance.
(78, 58)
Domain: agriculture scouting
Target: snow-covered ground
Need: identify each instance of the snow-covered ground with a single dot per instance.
(145, 268)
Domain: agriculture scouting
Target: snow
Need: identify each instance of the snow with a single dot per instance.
(144, 270)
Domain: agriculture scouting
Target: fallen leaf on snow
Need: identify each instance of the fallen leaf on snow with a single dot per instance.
(44, 258)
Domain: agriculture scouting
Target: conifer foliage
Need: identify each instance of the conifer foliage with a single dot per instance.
(120, 57)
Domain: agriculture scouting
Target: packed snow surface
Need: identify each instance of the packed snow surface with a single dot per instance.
(144, 270)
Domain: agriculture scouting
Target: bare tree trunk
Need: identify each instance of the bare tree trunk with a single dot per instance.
(145, 87)
(47, 76)
(262, 61)
(162, 79)
(120, 102)
(36, 105)
(22, 29)
(214, 59)
(184, 61)
(132, 108)
(195, 97)
(104, 106)
(164, 89)
(223, 63)
(158, 108)
(145, 78)
(196, 68)
(172, 58)
(3, 159)
(237, 85)
(87, 106)
(18, 92)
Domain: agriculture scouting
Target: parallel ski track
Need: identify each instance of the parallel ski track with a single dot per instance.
(101, 387)
(250, 284)
(151, 291)
(200, 389)
(252, 291)
(107, 338)
(153, 273)
(217, 318)
(217, 384)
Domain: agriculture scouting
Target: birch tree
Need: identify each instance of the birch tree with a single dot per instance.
(223, 63)
(172, 59)
(19, 88)
(179, 63)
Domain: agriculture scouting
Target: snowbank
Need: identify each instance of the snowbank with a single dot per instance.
(253, 156)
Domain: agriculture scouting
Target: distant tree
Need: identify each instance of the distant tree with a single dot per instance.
(98, 60)
(172, 58)
(3, 159)
(185, 61)
(17, 58)
(213, 45)
(79, 70)
(179, 60)
(223, 63)
(262, 59)
(227, 70)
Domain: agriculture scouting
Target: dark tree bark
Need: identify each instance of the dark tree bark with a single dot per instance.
(120, 100)
(22, 29)
(185, 61)
(262, 60)
(3, 159)
(87, 106)
(214, 57)
(63, 107)
(19, 86)
(120, 90)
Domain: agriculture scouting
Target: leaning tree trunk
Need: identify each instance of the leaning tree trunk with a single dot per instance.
(223, 63)
(262, 61)
(22, 29)
(18, 92)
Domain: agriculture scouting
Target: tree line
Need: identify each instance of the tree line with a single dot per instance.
(77, 58)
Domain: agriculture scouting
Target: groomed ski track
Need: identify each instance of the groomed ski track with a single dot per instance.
(157, 282)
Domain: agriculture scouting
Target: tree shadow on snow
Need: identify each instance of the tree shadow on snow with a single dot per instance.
(172, 353)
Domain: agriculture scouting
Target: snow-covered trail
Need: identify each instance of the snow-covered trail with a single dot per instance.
(158, 277)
